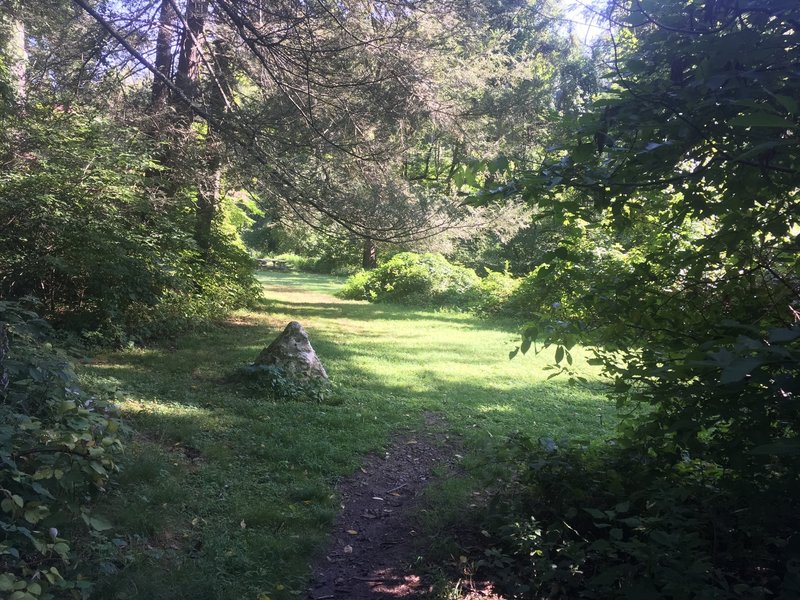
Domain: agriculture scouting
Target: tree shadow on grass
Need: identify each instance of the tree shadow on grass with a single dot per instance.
(234, 457)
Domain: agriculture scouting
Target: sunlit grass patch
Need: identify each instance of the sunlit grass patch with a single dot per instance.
(244, 486)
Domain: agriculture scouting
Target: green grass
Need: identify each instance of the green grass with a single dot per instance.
(225, 494)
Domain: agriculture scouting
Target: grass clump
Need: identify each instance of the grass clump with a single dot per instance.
(277, 384)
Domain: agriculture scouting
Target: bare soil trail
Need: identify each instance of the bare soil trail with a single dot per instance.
(373, 546)
(373, 550)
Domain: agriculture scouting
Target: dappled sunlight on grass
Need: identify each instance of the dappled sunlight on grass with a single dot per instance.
(132, 406)
(245, 484)
(495, 408)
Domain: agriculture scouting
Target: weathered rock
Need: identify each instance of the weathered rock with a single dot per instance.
(292, 352)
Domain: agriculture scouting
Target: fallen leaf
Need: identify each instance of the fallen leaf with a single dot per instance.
(243, 525)
(352, 532)
(348, 549)
(377, 498)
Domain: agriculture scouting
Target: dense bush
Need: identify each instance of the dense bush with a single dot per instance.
(313, 264)
(409, 278)
(105, 254)
(56, 446)
(497, 290)
(564, 286)
(601, 523)
(333, 251)
(696, 325)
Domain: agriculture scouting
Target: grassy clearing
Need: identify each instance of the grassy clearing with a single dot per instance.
(226, 495)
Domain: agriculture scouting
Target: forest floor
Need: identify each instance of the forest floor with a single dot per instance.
(225, 494)
(373, 546)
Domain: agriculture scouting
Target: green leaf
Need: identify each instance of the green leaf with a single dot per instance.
(782, 336)
(596, 514)
(97, 523)
(739, 369)
(790, 104)
(781, 447)
(34, 515)
(6, 582)
(759, 149)
(559, 354)
(526, 345)
(762, 120)
(61, 549)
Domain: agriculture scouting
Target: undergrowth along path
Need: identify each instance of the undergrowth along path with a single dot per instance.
(228, 495)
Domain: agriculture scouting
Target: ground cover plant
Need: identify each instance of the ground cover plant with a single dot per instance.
(58, 446)
(227, 493)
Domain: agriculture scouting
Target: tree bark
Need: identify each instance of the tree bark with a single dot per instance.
(164, 55)
(4, 378)
(370, 260)
(187, 74)
(209, 193)
(14, 54)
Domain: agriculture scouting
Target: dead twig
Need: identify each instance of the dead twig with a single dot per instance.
(394, 489)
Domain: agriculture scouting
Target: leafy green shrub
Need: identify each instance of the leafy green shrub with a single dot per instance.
(599, 523)
(355, 288)
(567, 285)
(101, 251)
(56, 447)
(296, 262)
(410, 278)
(496, 291)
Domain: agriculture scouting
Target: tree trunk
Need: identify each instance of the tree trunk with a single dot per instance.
(4, 377)
(188, 72)
(209, 193)
(370, 260)
(13, 88)
(14, 54)
(164, 55)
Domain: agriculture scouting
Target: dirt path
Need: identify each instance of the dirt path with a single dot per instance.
(373, 546)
